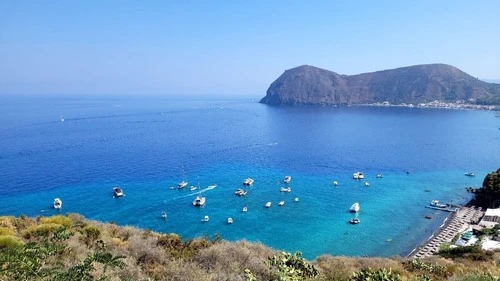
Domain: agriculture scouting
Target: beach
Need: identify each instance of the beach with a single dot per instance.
(453, 225)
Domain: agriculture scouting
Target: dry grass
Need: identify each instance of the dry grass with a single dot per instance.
(155, 256)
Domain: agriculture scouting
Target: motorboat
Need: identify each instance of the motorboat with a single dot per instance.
(281, 203)
(192, 188)
(229, 220)
(182, 184)
(212, 186)
(286, 189)
(245, 209)
(199, 201)
(354, 221)
(204, 219)
(435, 203)
(268, 205)
(354, 208)
(287, 179)
(62, 118)
(469, 174)
(367, 184)
(335, 183)
(57, 203)
(358, 176)
(379, 176)
(240, 192)
(428, 217)
(248, 181)
(117, 191)
(164, 215)
(296, 199)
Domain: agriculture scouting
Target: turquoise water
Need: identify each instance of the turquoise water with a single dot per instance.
(142, 145)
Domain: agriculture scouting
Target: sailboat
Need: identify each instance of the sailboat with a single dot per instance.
(62, 118)
(183, 183)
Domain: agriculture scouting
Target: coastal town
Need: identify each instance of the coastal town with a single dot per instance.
(460, 104)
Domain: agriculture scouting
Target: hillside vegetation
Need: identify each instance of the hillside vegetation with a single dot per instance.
(73, 248)
(488, 195)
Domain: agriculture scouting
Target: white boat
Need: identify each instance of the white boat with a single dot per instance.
(245, 209)
(469, 174)
(379, 176)
(335, 183)
(240, 192)
(248, 181)
(286, 189)
(62, 118)
(354, 221)
(164, 215)
(296, 199)
(212, 186)
(182, 184)
(118, 192)
(354, 208)
(287, 179)
(281, 203)
(268, 205)
(204, 219)
(192, 188)
(435, 203)
(367, 184)
(199, 201)
(358, 176)
(57, 203)
(229, 220)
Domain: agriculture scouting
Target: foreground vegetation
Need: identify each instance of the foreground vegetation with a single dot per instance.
(73, 248)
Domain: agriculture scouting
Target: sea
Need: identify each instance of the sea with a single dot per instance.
(147, 145)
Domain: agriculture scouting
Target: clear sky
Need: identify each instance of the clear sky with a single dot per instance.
(232, 47)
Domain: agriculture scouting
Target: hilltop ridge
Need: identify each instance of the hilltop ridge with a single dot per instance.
(307, 84)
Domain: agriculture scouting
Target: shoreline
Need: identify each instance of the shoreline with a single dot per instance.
(453, 225)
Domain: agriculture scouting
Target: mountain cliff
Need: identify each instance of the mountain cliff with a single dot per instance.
(413, 84)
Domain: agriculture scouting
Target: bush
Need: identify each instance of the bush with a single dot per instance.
(90, 234)
(60, 219)
(473, 252)
(6, 231)
(479, 277)
(375, 275)
(291, 267)
(40, 230)
(9, 241)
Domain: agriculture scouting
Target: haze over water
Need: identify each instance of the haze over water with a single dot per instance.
(142, 144)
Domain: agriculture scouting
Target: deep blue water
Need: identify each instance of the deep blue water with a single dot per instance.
(141, 144)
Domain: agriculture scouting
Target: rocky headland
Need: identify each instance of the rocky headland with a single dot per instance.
(419, 85)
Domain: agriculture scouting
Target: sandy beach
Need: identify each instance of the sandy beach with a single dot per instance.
(456, 223)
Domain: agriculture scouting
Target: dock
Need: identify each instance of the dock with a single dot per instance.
(447, 209)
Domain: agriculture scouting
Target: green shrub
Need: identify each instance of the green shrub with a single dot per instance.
(9, 241)
(59, 219)
(375, 275)
(291, 267)
(473, 252)
(40, 230)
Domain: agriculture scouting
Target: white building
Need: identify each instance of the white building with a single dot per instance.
(491, 218)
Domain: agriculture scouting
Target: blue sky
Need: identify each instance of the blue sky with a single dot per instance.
(231, 47)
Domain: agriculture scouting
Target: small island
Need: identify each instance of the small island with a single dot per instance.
(430, 85)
